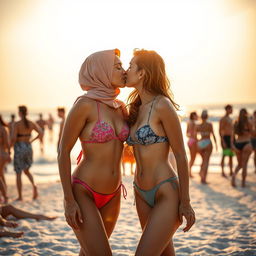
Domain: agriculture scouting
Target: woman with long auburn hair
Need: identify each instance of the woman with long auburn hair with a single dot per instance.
(243, 146)
(161, 200)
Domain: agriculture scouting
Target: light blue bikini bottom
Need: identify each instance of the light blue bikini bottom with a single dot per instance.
(203, 143)
(149, 195)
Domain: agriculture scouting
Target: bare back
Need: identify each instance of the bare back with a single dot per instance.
(205, 129)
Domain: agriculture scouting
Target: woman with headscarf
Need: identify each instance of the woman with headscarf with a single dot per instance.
(92, 193)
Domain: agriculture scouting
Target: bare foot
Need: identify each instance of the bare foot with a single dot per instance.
(223, 175)
(18, 199)
(35, 193)
(243, 184)
(233, 183)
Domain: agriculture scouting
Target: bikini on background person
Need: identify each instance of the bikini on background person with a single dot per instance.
(205, 129)
(242, 145)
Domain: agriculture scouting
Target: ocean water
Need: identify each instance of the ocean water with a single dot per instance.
(45, 165)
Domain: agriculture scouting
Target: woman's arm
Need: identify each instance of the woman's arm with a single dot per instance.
(39, 131)
(14, 134)
(73, 126)
(214, 138)
(6, 141)
(172, 127)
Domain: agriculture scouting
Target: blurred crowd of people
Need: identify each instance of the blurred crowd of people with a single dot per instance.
(237, 137)
(17, 135)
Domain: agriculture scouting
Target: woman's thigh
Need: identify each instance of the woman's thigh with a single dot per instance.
(91, 235)
(161, 223)
(110, 212)
(246, 152)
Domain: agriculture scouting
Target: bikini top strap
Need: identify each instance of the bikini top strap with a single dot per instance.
(151, 110)
(98, 109)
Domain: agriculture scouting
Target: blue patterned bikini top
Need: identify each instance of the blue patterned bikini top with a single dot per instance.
(145, 135)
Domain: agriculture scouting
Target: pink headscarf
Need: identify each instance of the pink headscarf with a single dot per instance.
(95, 77)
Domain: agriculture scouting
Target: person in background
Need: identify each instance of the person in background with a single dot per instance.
(242, 131)
(61, 114)
(226, 136)
(192, 142)
(50, 123)
(253, 139)
(10, 210)
(11, 125)
(128, 158)
(205, 129)
(23, 153)
(4, 156)
(41, 123)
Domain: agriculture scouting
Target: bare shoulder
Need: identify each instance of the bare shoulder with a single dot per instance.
(83, 104)
(164, 104)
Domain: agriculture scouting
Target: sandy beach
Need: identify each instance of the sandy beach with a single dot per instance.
(226, 221)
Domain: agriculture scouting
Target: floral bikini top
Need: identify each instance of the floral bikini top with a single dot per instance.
(103, 132)
(145, 135)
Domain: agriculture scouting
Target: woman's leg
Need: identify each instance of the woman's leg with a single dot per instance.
(31, 179)
(246, 152)
(19, 214)
(158, 223)
(254, 160)
(238, 167)
(4, 233)
(92, 234)
(230, 165)
(3, 187)
(19, 185)
(207, 155)
(193, 151)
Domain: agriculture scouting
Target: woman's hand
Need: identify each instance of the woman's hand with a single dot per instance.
(73, 214)
(189, 214)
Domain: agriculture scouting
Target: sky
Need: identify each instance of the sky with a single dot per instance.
(209, 47)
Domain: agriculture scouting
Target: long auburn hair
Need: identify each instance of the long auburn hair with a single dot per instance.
(23, 110)
(155, 81)
(242, 123)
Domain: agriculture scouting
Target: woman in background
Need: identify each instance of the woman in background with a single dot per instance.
(192, 142)
(205, 144)
(243, 146)
(23, 153)
(4, 156)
